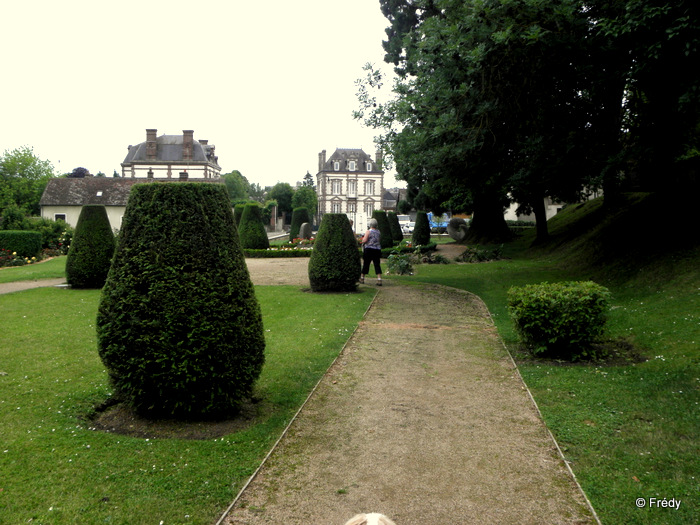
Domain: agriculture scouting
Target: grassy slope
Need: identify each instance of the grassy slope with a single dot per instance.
(630, 430)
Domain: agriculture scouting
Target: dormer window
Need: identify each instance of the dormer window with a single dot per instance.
(99, 194)
(336, 166)
(369, 166)
(351, 165)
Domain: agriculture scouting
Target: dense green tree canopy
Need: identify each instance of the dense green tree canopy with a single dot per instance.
(305, 197)
(528, 99)
(282, 192)
(23, 177)
(237, 186)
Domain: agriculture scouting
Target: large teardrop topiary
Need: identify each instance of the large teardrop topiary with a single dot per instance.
(251, 229)
(299, 216)
(335, 263)
(421, 231)
(91, 251)
(178, 326)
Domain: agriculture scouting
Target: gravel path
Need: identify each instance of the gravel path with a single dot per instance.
(423, 418)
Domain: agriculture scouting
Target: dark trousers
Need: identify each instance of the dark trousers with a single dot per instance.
(371, 255)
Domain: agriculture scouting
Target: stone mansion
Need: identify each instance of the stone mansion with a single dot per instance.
(350, 182)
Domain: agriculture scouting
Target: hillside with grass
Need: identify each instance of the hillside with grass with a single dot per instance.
(628, 425)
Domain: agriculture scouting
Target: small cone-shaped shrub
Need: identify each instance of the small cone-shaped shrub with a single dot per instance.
(251, 229)
(385, 238)
(396, 233)
(91, 251)
(335, 264)
(299, 217)
(178, 326)
(421, 231)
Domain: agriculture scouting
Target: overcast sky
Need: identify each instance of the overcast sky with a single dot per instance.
(270, 84)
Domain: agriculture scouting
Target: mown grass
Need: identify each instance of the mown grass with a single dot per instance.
(55, 469)
(52, 269)
(629, 429)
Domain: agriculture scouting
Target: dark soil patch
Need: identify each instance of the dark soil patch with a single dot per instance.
(119, 418)
(617, 352)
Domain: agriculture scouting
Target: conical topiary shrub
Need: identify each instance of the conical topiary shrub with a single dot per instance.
(421, 231)
(178, 325)
(385, 239)
(396, 233)
(91, 251)
(299, 217)
(251, 230)
(335, 264)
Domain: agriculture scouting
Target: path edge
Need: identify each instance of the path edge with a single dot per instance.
(296, 415)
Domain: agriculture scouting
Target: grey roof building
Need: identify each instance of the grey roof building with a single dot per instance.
(64, 198)
(171, 156)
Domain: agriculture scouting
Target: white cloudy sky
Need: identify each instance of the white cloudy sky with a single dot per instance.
(270, 83)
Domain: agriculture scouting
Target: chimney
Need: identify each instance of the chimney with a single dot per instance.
(204, 142)
(321, 160)
(151, 144)
(187, 140)
(378, 159)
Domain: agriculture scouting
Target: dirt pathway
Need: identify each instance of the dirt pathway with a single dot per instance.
(423, 418)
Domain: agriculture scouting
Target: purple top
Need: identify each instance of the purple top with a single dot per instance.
(373, 241)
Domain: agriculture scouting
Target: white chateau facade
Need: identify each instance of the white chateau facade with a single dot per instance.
(350, 182)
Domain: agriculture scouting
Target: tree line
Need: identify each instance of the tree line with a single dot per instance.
(499, 101)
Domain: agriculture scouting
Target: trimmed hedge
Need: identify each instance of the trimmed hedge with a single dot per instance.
(385, 239)
(560, 320)
(92, 248)
(335, 262)
(178, 325)
(238, 213)
(421, 231)
(299, 217)
(277, 254)
(251, 230)
(25, 243)
(396, 232)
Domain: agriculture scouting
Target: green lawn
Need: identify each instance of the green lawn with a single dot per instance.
(52, 269)
(55, 469)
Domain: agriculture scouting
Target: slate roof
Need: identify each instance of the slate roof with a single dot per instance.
(169, 149)
(108, 191)
(344, 155)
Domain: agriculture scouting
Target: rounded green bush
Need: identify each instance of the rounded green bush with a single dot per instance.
(385, 239)
(299, 217)
(91, 250)
(178, 326)
(396, 233)
(251, 230)
(335, 263)
(421, 231)
(560, 320)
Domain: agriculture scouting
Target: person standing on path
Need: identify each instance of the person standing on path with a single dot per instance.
(372, 252)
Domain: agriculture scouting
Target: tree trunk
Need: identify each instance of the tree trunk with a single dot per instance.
(540, 221)
(488, 226)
